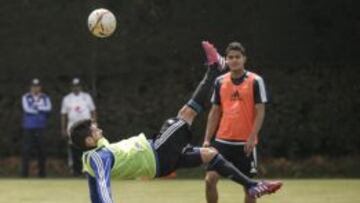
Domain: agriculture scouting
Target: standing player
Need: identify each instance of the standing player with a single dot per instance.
(235, 118)
(138, 157)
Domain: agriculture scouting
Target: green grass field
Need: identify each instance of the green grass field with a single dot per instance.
(174, 191)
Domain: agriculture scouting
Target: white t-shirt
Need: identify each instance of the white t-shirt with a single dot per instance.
(77, 107)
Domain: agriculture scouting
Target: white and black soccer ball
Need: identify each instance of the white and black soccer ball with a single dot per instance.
(102, 23)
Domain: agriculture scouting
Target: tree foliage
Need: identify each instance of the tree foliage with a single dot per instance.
(305, 50)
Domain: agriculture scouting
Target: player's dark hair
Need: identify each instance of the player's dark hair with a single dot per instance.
(235, 46)
(79, 132)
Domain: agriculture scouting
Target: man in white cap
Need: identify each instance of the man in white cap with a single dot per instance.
(76, 106)
(36, 107)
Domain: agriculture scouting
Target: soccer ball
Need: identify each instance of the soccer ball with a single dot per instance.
(102, 23)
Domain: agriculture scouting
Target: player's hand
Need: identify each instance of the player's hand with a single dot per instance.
(206, 144)
(250, 144)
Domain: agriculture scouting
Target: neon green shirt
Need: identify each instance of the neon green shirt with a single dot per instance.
(133, 158)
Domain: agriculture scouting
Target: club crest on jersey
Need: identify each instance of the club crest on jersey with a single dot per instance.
(78, 109)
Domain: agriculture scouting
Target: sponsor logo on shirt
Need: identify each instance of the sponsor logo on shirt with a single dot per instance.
(235, 96)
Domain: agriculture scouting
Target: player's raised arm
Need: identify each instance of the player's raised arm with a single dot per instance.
(99, 181)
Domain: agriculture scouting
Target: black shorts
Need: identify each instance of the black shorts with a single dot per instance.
(169, 144)
(234, 152)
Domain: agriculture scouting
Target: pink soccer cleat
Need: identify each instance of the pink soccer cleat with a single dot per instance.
(211, 52)
(212, 55)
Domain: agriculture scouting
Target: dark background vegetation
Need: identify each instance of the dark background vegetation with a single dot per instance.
(307, 52)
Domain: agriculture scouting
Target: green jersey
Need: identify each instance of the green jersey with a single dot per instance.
(132, 158)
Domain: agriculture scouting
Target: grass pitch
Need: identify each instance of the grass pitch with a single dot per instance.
(174, 191)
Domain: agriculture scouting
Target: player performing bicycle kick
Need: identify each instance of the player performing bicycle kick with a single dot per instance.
(138, 157)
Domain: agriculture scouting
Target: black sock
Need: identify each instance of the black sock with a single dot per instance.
(203, 91)
(228, 170)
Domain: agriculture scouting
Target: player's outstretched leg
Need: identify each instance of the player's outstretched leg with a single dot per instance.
(201, 95)
(216, 162)
(192, 157)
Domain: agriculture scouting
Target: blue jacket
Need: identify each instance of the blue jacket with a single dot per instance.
(36, 110)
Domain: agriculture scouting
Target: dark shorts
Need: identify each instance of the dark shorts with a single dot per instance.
(169, 145)
(236, 155)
